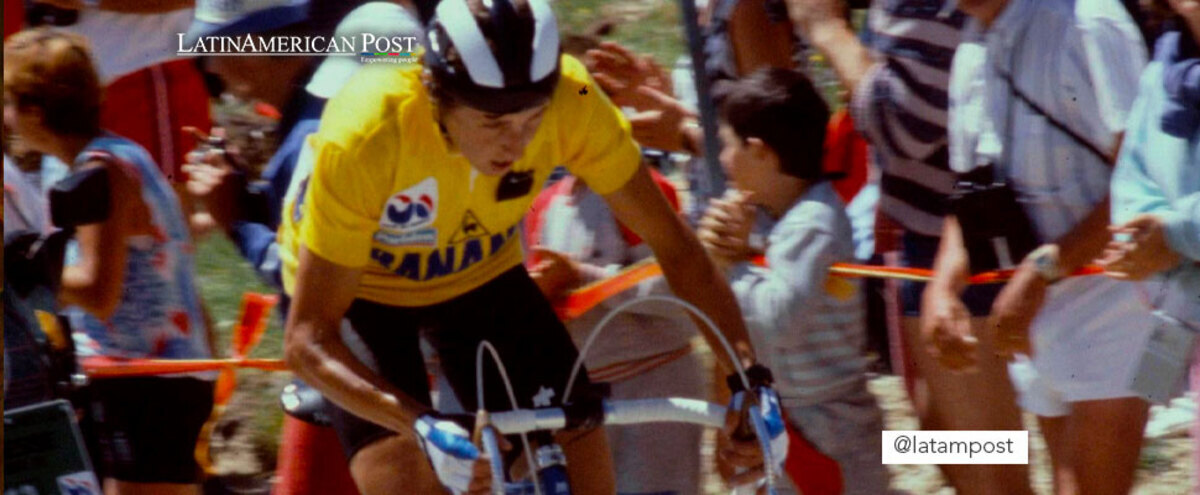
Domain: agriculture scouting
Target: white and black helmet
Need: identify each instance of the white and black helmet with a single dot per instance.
(504, 62)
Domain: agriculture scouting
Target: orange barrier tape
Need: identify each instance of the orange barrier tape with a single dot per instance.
(107, 367)
(257, 307)
(584, 299)
(247, 333)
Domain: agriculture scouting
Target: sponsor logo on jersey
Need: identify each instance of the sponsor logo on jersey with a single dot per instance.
(422, 237)
(469, 228)
(411, 209)
(445, 261)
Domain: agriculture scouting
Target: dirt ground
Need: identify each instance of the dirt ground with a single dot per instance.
(1165, 468)
(241, 457)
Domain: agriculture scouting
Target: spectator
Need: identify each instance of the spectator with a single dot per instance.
(250, 212)
(1156, 185)
(150, 93)
(644, 353)
(1042, 90)
(28, 374)
(249, 215)
(904, 117)
(773, 132)
(133, 286)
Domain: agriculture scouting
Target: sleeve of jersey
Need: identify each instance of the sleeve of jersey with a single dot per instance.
(599, 141)
(338, 222)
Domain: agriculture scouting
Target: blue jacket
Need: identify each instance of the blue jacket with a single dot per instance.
(254, 235)
(1159, 173)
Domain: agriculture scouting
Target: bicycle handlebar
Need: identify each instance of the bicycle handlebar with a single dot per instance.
(616, 412)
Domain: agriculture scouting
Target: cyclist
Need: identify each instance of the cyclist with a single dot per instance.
(421, 174)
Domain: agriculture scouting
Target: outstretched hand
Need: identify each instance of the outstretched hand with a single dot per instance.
(620, 72)
(554, 273)
(1145, 253)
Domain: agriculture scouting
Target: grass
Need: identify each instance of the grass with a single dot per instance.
(645, 26)
(224, 277)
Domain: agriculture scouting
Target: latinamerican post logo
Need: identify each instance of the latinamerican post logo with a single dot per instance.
(387, 58)
(368, 47)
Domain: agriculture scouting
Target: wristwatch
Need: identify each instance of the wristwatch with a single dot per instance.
(1045, 262)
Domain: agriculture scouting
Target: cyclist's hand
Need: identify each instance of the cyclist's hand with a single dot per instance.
(742, 448)
(554, 273)
(946, 328)
(458, 463)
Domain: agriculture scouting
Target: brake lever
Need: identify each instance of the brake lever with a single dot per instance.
(764, 443)
(491, 446)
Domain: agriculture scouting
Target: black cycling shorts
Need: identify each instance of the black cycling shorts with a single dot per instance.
(145, 428)
(508, 311)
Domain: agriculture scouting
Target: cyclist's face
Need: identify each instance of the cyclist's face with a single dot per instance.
(491, 142)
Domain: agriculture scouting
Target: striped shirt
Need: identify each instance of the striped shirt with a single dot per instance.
(807, 327)
(900, 106)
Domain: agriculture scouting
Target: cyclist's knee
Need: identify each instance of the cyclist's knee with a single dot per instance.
(392, 461)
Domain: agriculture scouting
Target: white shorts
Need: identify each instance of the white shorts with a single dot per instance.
(1087, 341)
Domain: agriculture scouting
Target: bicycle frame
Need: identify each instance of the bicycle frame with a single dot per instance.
(616, 412)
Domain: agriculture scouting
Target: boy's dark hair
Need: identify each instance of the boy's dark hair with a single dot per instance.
(783, 109)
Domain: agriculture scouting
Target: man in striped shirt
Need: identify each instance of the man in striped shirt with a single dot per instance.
(1042, 90)
(897, 81)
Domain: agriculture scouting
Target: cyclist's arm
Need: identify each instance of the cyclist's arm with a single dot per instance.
(640, 206)
(314, 349)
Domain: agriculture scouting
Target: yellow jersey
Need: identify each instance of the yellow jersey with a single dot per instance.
(387, 194)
